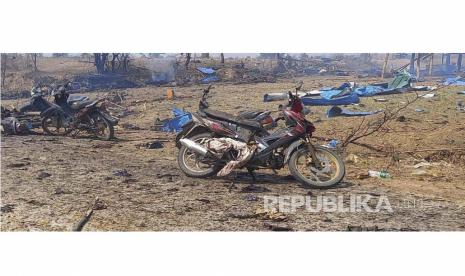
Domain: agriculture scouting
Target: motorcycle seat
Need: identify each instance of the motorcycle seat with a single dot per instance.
(80, 104)
(249, 114)
(223, 116)
(76, 98)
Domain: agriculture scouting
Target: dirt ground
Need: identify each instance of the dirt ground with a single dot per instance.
(48, 183)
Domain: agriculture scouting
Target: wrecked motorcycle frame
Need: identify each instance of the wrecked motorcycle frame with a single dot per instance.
(312, 165)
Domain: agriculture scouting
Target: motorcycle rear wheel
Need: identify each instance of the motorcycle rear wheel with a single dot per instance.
(191, 163)
(104, 130)
(331, 173)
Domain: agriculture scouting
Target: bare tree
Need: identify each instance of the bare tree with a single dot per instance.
(34, 61)
(188, 60)
(3, 68)
(99, 62)
(367, 128)
(222, 58)
(386, 59)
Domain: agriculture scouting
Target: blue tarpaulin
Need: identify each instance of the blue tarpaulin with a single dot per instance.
(180, 118)
(206, 70)
(210, 74)
(344, 100)
(336, 111)
(455, 81)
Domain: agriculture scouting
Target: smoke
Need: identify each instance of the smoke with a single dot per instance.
(163, 68)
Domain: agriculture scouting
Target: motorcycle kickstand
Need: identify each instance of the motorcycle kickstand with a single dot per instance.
(252, 173)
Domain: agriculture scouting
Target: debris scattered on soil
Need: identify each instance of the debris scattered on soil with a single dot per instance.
(7, 208)
(43, 175)
(122, 172)
(255, 189)
(251, 197)
(359, 228)
(155, 145)
(97, 205)
(279, 227)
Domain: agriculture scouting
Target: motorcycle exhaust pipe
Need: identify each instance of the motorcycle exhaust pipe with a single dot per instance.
(193, 146)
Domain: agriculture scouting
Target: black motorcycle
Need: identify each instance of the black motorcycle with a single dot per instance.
(77, 114)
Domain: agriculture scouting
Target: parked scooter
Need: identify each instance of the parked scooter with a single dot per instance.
(77, 114)
(312, 165)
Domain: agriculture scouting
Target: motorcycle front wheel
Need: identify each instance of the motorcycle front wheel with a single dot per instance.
(55, 124)
(304, 169)
(101, 127)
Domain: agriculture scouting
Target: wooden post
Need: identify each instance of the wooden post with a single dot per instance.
(222, 58)
(386, 59)
(418, 65)
(459, 63)
(412, 64)
(447, 59)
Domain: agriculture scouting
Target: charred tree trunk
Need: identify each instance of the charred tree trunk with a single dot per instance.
(418, 65)
(188, 60)
(113, 61)
(222, 58)
(412, 64)
(34, 61)
(459, 63)
(386, 59)
(431, 60)
(3, 58)
(447, 59)
(99, 62)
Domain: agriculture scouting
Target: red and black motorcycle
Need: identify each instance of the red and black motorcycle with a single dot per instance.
(313, 165)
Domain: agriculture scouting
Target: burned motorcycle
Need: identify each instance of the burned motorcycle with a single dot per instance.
(214, 142)
(77, 114)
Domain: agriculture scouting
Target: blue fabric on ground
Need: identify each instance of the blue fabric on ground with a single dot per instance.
(369, 90)
(329, 94)
(209, 79)
(206, 70)
(180, 118)
(344, 100)
(336, 111)
(454, 81)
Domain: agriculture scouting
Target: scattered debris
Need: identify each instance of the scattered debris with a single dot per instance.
(352, 158)
(123, 173)
(381, 174)
(241, 215)
(280, 227)
(154, 145)
(204, 200)
(380, 100)
(401, 118)
(43, 175)
(270, 214)
(336, 111)
(97, 205)
(61, 191)
(255, 189)
(251, 197)
(7, 208)
(129, 126)
(359, 228)
(18, 165)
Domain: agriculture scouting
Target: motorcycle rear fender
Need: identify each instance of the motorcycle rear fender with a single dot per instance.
(111, 119)
(188, 130)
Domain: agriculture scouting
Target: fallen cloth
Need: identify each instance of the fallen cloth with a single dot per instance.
(344, 100)
(180, 119)
(220, 146)
(336, 111)
(455, 81)
(209, 74)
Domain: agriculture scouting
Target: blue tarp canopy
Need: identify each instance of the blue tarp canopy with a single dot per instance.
(210, 74)
(180, 118)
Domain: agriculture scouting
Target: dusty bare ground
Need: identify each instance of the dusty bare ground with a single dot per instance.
(48, 182)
